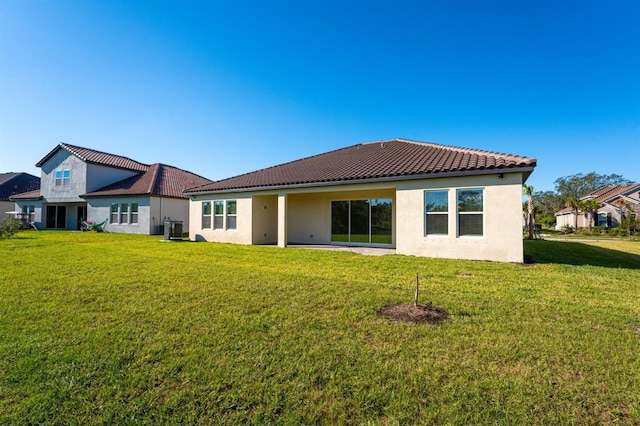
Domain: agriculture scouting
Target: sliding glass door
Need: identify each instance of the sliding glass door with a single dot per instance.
(362, 221)
(56, 217)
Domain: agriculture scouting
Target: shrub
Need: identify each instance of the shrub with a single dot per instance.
(567, 229)
(9, 227)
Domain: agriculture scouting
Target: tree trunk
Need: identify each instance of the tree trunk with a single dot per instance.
(531, 218)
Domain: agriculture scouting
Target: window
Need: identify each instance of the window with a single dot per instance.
(362, 221)
(436, 205)
(231, 214)
(66, 177)
(206, 214)
(470, 212)
(114, 213)
(124, 213)
(218, 215)
(29, 213)
(134, 212)
(58, 177)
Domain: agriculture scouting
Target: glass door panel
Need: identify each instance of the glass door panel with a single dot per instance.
(340, 221)
(359, 221)
(381, 217)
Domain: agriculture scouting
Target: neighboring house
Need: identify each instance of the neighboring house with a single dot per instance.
(609, 214)
(12, 184)
(422, 199)
(80, 183)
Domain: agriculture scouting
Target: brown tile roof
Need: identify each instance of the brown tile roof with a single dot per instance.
(608, 192)
(374, 160)
(31, 195)
(605, 194)
(12, 184)
(159, 180)
(96, 157)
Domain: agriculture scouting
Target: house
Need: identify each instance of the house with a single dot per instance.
(12, 184)
(81, 183)
(612, 200)
(422, 199)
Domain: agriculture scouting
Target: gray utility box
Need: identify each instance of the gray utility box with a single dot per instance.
(173, 230)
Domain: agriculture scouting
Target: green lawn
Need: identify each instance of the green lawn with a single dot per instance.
(100, 328)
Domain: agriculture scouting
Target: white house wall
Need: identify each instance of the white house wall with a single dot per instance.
(63, 160)
(99, 209)
(308, 216)
(164, 209)
(243, 232)
(264, 211)
(100, 176)
(502, 229)
(6, 206)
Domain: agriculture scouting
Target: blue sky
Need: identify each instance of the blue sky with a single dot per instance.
(223, 88)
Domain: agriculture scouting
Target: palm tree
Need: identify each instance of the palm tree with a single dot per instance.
(574, 204)
(528, 191)
(590, 205)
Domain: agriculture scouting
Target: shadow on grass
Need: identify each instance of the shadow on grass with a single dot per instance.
(573, 253)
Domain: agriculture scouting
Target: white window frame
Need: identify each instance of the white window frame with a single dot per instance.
(231, 215)
(217, 215)
(124, 213)
(116, 213)
(133, 215)
(206, 215)
(66, 177)
(58, 177)
(427, 213)
(459, 213)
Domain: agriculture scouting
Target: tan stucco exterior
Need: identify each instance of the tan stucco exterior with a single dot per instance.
(303, 216)
(502, 239)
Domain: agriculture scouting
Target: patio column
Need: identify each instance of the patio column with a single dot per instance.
(282, 220)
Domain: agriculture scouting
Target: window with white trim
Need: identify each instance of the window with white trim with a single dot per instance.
(218, 215)
(124, 213)
(66, 177)
(231, 214)
(206, 214)
(134, 213)
(58, 176)
(470, 212)
(114, 213)
(436, 205)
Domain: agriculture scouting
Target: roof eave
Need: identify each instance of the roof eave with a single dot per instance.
(527, 170)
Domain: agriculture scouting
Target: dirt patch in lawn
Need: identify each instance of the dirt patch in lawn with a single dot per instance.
(421, 314)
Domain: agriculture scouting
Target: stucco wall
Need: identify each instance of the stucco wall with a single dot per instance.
(265, 219)
(37, 211)
(101, 176)
(62, 160)
(99, 209)
(163, 209)
(502, 236)
(6, 206)
(309, 216)
(241, 235)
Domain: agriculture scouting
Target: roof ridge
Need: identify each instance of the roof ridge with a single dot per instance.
(447, 147)
(71, 147)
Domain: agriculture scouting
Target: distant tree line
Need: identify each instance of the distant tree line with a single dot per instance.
(567, 190)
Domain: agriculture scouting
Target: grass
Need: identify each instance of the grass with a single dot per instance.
(111, 328)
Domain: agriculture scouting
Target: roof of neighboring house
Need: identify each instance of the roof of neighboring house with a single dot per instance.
(96, 157)
(389, 159)
(608, 192)
(605, 194)
(31, 195)
(15, 183)
(159, 180)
